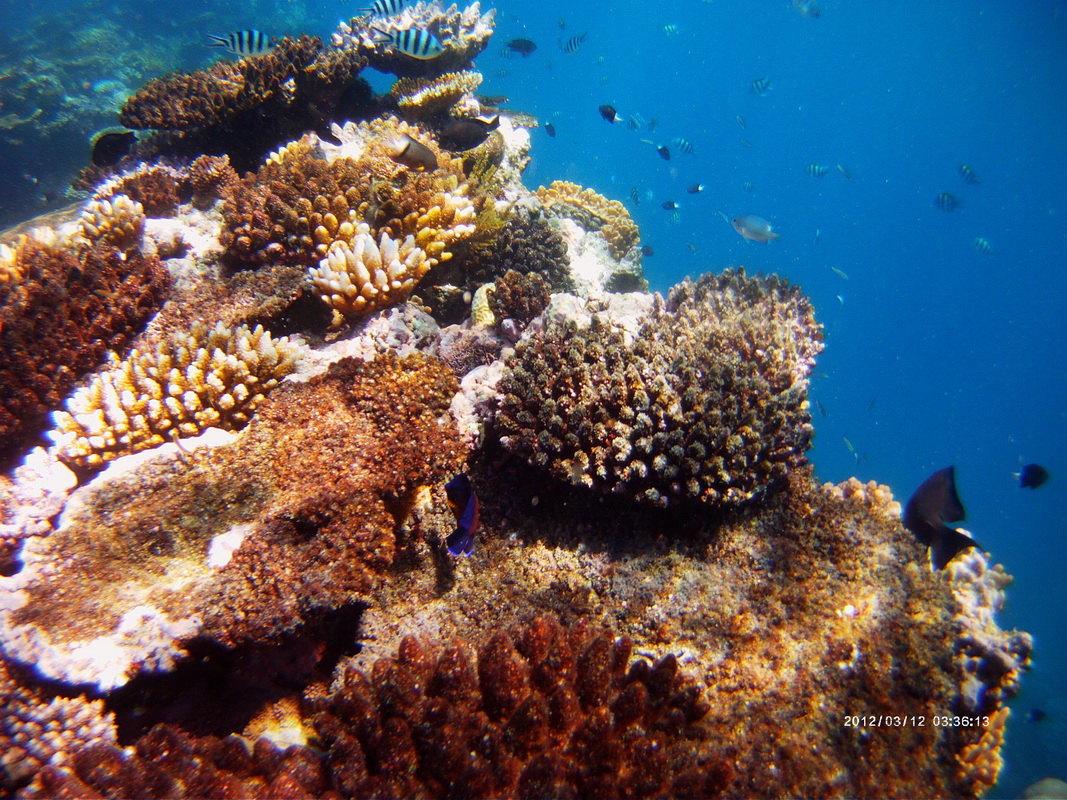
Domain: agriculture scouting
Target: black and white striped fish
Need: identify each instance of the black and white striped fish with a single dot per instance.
(684, 145)
(385, 8)
(571, 45)
(415, 42)
(244, 43)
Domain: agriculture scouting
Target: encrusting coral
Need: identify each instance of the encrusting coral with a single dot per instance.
(462, 34)
(214, 377)
(594, 212)
(708, 403)
(61, 311)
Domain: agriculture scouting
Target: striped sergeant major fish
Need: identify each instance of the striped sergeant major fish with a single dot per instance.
(415, 42)
(684, 145)
(571, 45)
(385, 8)
(817, 170)
(244, 43)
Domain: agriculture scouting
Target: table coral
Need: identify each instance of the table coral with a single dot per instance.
(419, 98)
(706, 405)
(463, 35)
(61, 311)
(203, 546)
(594, 212)
(213, 377)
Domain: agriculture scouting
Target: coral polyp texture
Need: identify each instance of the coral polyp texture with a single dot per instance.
(542, 711)
(61, 311)
(462, 35)
(362, 276)
(215, 550)
(212, 378)
(707, 404)
(593, 212)
(116, 222)
(418, 98)
(523, 241)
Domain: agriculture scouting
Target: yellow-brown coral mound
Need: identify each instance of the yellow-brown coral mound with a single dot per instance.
(211, 378)
(594, 212)
(117, 221)
(425, 97)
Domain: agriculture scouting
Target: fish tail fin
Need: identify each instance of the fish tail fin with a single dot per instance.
(217, 41)
(771, 237)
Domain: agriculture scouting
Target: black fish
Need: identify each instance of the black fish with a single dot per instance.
(464, 503)
(111, 145)
(947, 202)
(696, 188)
(523, 47)
(664, 153)
(492, 99)
(550, 129)
(934, 503)
(1031, 476)
(1035, 715)
(669, 205)
(610, 114)
(646, 250)
(463, 134)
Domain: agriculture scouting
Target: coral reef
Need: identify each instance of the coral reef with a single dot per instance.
(117, 222)
(157, 187)
(211, 178)
(418, 98)
(37, 730)
(462, 34)
(707, 404)
(211, 378)
(518, 296)
(541, 712)
(61, 311)
(593, 212)
(214, 550)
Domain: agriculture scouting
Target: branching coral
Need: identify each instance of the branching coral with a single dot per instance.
(708, 404)
(543, 712)
(212, 378)
(594, 212)
(419, 98)
(362, 276)
(116, 222)
(463, 35)
(60, 313)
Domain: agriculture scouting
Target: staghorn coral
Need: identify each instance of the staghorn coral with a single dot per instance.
(60, 313)
(463, 35)
(707, 404)
(361, 276)
(204, 546)
(213, 377)
(543, 711)
(593, 212)
(419, 98)
(209, 97)
(116, 222)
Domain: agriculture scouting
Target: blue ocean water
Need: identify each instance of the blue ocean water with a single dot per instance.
(936, 353)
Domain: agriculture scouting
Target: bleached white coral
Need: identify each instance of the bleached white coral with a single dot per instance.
(211, 378)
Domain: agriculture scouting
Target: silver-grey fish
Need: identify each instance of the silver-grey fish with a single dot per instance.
(755, 228)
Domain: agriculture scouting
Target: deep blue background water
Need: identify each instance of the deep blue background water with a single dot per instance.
(936, 354)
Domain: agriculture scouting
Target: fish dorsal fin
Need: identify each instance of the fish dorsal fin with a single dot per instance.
(935, 501)
(947, 544)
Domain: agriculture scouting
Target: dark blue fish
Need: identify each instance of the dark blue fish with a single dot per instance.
(1031, 476)
(610, 114)
(934, 503)
(947, 202)
(550, 129)
(670, 205)
(571, 45)
(646, 250)
(243, 43)
(464, 503)
(664, 153)
(522, 46)
(1035, 715)
(415, 42)
(696, 188)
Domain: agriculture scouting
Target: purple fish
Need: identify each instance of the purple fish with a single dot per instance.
(464, 504)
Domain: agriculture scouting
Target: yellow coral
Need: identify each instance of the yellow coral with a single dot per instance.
(481, 313)
(11, 270)
(211, 378)
(118, 221)
(362, 276)
(981, 762)
(594, 212)
(425, 97)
